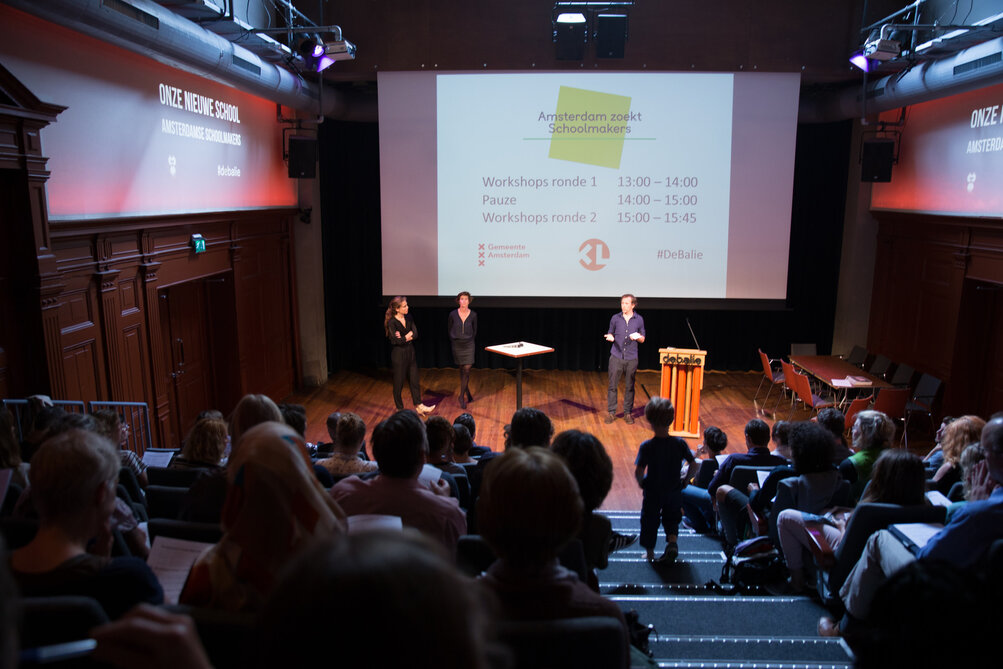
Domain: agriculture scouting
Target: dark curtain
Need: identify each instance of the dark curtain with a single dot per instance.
(349, 174)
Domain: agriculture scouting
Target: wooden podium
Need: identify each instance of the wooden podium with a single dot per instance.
(682, 381)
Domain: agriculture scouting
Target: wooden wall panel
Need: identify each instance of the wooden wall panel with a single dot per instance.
(82, 371)
(917, 304)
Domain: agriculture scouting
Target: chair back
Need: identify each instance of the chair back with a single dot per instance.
(47, 621)
(867, 519)
(803, 388)
(856, 406)
(926, 391)
(858, 356)
(567, 643)
(767, 369)
(880, 366)
(743, 475)
(181, 478)
(903, 375)
(789, 375)
(891, 402)
(163, 501)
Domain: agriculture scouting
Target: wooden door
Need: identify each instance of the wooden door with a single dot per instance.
(183, 309)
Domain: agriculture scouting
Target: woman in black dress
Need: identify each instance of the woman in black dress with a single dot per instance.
(462, 326)
(401, 331)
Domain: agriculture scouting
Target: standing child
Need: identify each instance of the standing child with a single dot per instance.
(657, 470)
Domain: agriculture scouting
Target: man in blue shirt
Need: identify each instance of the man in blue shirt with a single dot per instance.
(626, 331)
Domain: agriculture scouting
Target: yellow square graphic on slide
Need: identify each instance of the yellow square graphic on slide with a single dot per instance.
(588, 127)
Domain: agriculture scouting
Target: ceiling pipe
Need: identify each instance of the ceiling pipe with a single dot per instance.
(183, 44)
(976, 67)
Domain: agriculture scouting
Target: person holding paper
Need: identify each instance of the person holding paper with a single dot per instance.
(626, 331)
(401, 331)
(400, 447)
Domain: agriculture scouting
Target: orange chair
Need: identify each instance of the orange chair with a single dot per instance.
(775, 377)
(891, 402)
(812, 401)
(788, 384)
(856, 406)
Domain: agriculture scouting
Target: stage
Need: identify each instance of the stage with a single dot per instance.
(573, 400)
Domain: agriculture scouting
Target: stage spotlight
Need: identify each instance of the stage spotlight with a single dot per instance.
(861, 61)
(311, 46)
(569, 36)
(611, 35)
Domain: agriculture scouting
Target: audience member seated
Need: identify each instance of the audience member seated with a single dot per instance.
(274, 507)
(462, 443)
(400, 447)
(73, 482)
(529, 509)
(698, 504)
(467, 420)
(440, 445)
(378, 600)
(529, 427)
(935, 458)
(713, 444)
(962, 543)
(204, 447)
(872, 433)
(902, 634)
(348, 438)
(817, 486)
(10, 450)
(833, 420)
(898, 477)
(586, 458)
(294, 415)
(109, 424)
(733, 505)
(959, 434)
(204, 501)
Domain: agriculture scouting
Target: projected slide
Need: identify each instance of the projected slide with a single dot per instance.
(578, 185)
(673, 185)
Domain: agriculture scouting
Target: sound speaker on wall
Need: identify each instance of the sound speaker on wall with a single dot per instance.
(302, 157)
(876, 159)
(611, 35)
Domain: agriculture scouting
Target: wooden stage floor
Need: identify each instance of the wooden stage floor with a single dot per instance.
(573, 400)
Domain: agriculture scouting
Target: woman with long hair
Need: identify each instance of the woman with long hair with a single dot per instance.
(401, 331)
(462, 325)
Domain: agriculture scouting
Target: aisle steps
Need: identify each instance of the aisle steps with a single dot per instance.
(695, 627)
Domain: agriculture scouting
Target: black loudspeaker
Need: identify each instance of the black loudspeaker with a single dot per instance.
(876, 158)
(302, 157)
(611, 34)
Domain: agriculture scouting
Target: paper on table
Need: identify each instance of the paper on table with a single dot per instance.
(841, 383)
(171, 559)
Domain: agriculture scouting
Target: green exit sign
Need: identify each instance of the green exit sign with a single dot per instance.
(198, 243)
